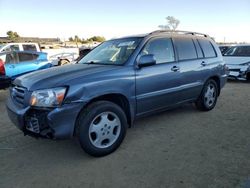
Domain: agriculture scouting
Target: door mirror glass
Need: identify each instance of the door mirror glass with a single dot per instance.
(146, 60)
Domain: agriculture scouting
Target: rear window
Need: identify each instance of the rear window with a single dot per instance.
(29, 47)
(186, 49)
(207, 48)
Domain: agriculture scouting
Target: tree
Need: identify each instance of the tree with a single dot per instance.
(97, 39)
(77, 39)
(12, 35)
(172, 23)
(71, 39)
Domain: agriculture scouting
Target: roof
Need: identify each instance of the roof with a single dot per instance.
(171, 32)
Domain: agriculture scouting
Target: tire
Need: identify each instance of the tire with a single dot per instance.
(208, 97)
(101, 128)
(63, 62)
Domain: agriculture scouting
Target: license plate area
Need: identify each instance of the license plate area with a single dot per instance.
(32, 124)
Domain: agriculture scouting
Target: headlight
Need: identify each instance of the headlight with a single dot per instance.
(48, 97)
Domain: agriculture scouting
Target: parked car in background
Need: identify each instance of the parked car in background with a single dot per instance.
(224, 48)
(62, 58)
(4, 80)
(237, 59)
(117, 82)
(20, 47)
(17, 63)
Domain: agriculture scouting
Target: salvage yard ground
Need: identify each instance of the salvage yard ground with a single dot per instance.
(178, 148)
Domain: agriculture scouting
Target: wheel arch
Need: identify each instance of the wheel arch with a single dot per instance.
(116, 98)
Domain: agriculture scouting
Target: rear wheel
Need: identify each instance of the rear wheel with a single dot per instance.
(63, 62)
(101, 128)
(208, 97)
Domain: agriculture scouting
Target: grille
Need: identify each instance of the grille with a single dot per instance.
(18, 94)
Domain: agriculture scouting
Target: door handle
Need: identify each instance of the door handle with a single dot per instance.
(175, 68)
(203, 63)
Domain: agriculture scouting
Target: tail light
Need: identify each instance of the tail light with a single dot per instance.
(2, 69)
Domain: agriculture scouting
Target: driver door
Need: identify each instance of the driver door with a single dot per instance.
(157, 85)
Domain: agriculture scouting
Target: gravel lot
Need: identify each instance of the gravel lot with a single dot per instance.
(178, 148)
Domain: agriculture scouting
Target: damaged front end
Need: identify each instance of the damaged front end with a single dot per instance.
(45, 122)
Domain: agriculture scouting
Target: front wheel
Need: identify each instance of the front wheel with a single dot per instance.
(208, 97)
(101, 128)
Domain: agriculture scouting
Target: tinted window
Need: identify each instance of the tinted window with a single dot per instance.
(26, 57)
(161, 48)
(29, 47)
(238, 51)
(185, 48)
(198, 49)
(9, 58)
(207, 48)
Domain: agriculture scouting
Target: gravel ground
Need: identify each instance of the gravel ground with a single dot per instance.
(178, 148)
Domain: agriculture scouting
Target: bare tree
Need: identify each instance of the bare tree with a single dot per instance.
(172, 23)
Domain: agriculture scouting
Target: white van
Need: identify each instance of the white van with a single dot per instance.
(20, 47)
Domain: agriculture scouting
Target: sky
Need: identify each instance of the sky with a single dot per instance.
(225, 20)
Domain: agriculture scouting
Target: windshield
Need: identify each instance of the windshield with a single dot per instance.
(114, 52)
(238, 51)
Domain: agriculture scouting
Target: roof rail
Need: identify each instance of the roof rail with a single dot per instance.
(179, 31)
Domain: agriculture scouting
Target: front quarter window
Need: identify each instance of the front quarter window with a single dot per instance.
(114, 52)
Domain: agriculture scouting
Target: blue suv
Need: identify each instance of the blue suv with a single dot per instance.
(114, 84)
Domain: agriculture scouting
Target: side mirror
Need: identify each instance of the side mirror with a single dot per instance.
(146, 60)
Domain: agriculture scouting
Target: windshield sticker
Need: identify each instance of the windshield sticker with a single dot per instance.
(129, 43)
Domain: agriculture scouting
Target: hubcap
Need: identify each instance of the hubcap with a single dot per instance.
(210, 95)
(104, 129)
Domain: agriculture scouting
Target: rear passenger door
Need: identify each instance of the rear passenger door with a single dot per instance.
(157, 85)
(193, 66)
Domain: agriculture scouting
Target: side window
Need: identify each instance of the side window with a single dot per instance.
(26, 57)
(29, 47)
(11, 48)
(198, 49)
(11, 58)
(161, 48)
(185, 48)
(207, 48)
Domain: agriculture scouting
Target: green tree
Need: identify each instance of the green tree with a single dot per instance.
(71, 39)
(172, 23)
(12, 35)
(97, 39)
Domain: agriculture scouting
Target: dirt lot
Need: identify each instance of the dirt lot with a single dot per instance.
(178, 148)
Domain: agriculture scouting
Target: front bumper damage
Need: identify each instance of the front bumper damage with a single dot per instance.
(54, 123)
(239, 72)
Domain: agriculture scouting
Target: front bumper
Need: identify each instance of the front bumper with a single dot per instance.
(238, 71)
(56, 123)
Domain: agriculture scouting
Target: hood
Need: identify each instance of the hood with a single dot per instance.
(61, 76)
(233, 60)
